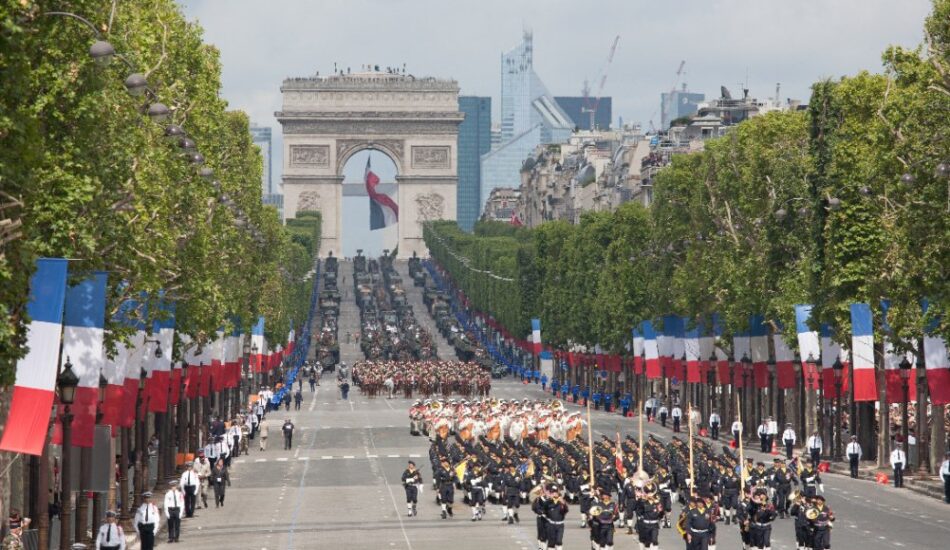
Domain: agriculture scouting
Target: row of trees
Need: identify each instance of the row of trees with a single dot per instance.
(846, 202)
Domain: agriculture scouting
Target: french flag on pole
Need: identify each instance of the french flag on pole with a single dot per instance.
(383, 211)
(892, 362)
(741, 343)
(651, 350)
(637, 352)
(784, 361)
(132, 359)
(83, 336)
(722, 358)
(759, 342)
(35, 386)
(536, 335)
(691, 348)
(257, 340)
(862, 353)
(114, 370)
(938, 364)
(808, 344)
(159, 368)
(831, 350)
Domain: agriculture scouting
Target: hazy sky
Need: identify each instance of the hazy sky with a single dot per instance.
(724, 42)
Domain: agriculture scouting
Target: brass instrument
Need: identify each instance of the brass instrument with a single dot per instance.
(595, 511)
(812, 513)
(556, 405)
(681, 525)
(435, 405)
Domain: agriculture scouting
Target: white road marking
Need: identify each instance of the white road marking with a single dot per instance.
(303, 458)
(392, 456)
(348, 456)
(282, 459)
(325, 457)
(372, 456)
(414, 456)
(261, 460)
(313, 402)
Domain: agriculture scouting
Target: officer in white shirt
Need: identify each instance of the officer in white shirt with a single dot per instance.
(788, 439)
(174, 501)
(677, 415)
(663, 412)
(714, 422)
(853, 450)
(898, 462)
(111, 536)
(763, 433)
(736, 433)
(945, 476)
(814, 448)
(233, 439)
(190, 482)
(147, 518)
(650, 407)
(773, 432)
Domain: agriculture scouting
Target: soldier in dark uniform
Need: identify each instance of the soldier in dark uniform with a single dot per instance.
(811, 481)
(554, 513)
(761, 515)
(803, 535)
(586, 496)
(628, 501)
(512, 494)
(446, 480)
(665, 489)
(539, 507)
(728, 487)
(782, 480)
(820, 519)
(649, 512)
(475, 484)
(411, 480)
(699, 526)
(602, 523)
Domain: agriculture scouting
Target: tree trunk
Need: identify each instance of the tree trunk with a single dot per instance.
(938, 437)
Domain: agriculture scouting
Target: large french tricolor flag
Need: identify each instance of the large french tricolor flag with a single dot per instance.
(536, 335)
(759, 342)
(831, 350)
(808, 344)
(722, 358)
(34, 388)
(691, 348)
(938, 364)
(115, 370)
(706, 346)
(637, 351)
(383, 211)
(862, 353)
(784, 361)
(159, 369)
(892, 362)
(257, 340)
(741, 347)
(83, 336)
(218, 362)
(651, 351)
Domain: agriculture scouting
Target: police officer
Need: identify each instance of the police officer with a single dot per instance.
(411, 481)
(814, 448)
(146, 521)
(714, 422)
(110, 536)
(854, 455)
(174, 500)
(288, 429)
(190, 481)
(788, 438)
(898, 462)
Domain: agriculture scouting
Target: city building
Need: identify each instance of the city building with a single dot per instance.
(474, 141)
(529, 117)
(678, 104)
(261, 136)
(501, 205)
(579, 110)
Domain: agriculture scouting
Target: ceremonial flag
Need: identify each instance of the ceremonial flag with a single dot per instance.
(741, 347)
(159, 367)
(536, 335)
(132, 361)
(257, 341)
(27, 422)
(759, 344)
(115, 369)
(691, 348)
(808, 344)
(892, 361)
(217, 362)
(174, 393)
(722, 358)
(383, 211)
(618, 459)
(862, 353)
(831, 350)
(637, 352)
(784, 361)
(650, 348)
(706, 344)
(83, 336)
(191, 361)
(938, 364)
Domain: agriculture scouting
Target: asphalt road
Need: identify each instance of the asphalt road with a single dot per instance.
(338, 487)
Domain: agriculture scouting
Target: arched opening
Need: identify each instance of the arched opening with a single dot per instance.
(356, 215)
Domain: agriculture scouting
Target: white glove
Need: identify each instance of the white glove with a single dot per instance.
(420, 486)
(821, 487)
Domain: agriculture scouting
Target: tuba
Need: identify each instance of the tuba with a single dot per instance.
(812, 513)
(595, 511)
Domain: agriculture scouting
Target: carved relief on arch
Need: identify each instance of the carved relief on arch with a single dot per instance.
(431, 206)
(308, 201)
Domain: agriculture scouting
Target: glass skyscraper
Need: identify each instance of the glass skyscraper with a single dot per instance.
(529, 117)
(474, 141)
(261, 136)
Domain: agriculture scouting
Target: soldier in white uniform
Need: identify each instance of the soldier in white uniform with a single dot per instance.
(147, 519)
(174, 501)
(111, 536)
(190, 480)
(714, 422)
(789, 438)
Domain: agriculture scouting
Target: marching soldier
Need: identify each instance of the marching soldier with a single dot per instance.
(728, 486)
(539, 507)
(649, 512)
(820, 519)
(446, 481)
(700, 526)
(146, 521)
(110, 536)
(760, 517)
(603, 514)
(811, 481)
(782, 480)
(411, 482)
(512, 494)
(798, 509)
(554, 514)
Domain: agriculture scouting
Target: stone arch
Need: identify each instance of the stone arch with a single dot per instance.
(346, 148)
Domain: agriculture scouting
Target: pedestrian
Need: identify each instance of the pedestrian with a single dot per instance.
(853, 450)
(146, 521)
(412, 483)
(789, 438)
(664, 412)
(814, 448)
(714, 422)
(16, 524)
(736, 432)
(763, 433)
(298, 399)
(313, 382)
(945, 476)
(220, 480)
(344, 389)
(203, 469)
(234, 438)
(898, 462)
(263, 427)
(677, 414)
(287, 401)
(189, 485)
(110, 536)
(288, 429)
(544, 382)
(174, 500)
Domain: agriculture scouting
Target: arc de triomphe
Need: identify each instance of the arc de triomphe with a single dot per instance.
(412, 120)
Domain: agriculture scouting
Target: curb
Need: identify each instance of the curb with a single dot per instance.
(928, 487)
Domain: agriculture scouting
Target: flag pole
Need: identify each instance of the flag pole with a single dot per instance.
(640, 458)
(741, 457)
(692, 477)
(590, 447)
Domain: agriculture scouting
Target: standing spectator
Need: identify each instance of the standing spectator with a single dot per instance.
(544, 382)
(663, 414)
(174, 500)
(288, 429)
(111, 536)
(264, 430)
(344, 389)
(677, 415)
(234, 438)
(189, 484)
(203, 469)
(286, 400)
(814, 448)
(651, 408)
(146, 521)
(736, 433)
(854, 455)
(714, 422)
(945, 475)
(763, 433)
(898, 462)
(772, 433)
(313, 382)
(219, 480)
(788, 438)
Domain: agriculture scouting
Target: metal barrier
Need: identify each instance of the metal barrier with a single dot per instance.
(30, 539)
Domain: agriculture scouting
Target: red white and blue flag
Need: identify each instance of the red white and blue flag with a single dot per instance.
(35, 385)
(759, 350)
(784, 361)
(383, 211)
(536, 335)
(159, 369)
(808, 344)
(257, 341)
(937, 363)
(862, 353)
(894, 384)
(651, 351)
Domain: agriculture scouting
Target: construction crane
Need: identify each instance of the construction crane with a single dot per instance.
(590, 107)
(669, 96)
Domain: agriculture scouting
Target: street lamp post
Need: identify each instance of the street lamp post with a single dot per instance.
(67, 382)
(799, 405)
(711, 380)
(746, 373)
(773, 393)
(141, 454)
(838, 369)
(812, 382)
(905, 367)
